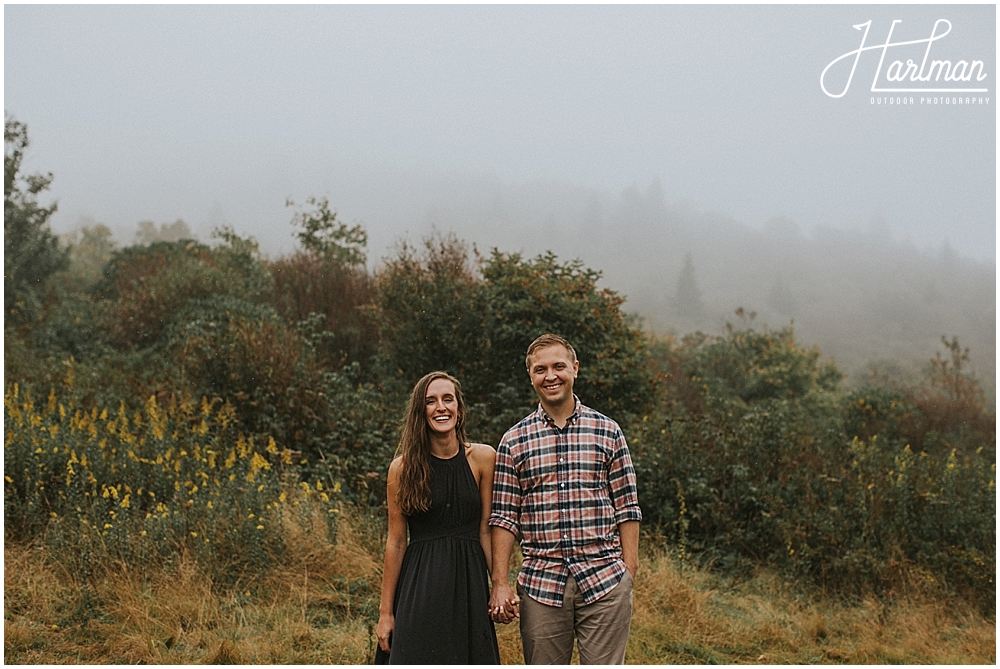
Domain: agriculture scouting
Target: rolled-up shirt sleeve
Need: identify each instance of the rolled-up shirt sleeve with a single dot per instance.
(621, 480)
(506, 509)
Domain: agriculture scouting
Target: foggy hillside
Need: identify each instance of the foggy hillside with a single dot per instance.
(865, 297)
(868, 297)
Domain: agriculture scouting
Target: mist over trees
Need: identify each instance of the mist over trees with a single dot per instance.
(867, 297)
(167, 232)
(873, 301)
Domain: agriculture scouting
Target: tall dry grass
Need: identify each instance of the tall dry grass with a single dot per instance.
(319, 604)
(684, 615)
(312, 609)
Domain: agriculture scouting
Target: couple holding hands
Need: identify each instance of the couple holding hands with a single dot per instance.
(561, 479)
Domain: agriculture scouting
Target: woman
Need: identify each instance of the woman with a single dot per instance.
(435, 591)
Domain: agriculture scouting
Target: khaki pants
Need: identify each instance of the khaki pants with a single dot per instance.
(601, 628)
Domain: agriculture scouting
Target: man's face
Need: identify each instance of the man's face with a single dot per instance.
(552, 371)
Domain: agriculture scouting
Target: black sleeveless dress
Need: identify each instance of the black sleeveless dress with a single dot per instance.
(443, 590)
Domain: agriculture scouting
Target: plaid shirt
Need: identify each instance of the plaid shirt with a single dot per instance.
(566, 491)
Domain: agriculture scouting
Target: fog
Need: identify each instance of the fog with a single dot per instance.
(629, 137)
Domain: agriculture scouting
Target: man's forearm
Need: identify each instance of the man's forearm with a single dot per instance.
(629, 533)
(503, 546)
(503, 606)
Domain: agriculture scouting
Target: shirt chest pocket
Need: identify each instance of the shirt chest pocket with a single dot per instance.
(588, 466)
(537, 468)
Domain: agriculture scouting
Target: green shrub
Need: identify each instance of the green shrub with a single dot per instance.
(145, 287)
(310, 284)
(758, 457)
(146, 483)
(438, 311)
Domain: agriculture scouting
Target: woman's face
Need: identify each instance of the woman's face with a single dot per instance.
(441, 405)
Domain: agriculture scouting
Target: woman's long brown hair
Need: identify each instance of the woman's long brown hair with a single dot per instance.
(414, 448)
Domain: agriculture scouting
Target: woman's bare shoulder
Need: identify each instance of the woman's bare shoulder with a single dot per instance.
(394, 466)
(482, 452)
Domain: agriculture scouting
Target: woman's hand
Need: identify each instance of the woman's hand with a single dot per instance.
(386, 623)
(395, 549)
(503, 606)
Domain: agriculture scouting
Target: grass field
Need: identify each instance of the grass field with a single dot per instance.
(320, 604)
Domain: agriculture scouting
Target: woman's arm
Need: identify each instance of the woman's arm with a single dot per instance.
(485, 458)
(395, 548)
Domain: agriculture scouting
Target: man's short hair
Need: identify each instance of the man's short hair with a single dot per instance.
(544, 341)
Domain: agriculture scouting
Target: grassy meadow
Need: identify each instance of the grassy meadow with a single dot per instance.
(319, 606)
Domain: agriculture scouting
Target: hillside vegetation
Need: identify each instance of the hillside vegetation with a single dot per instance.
(862, 291)
(197, 438)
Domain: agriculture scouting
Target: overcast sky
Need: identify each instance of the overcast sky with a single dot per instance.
(217, 114)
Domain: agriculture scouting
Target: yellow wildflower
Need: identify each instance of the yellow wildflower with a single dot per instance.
(257, 463)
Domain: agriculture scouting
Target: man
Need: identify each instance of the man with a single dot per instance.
(564, 481)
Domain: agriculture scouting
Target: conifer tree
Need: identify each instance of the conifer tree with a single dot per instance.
(781, 298)
(687, 304)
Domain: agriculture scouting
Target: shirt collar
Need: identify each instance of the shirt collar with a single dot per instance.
(541, 413)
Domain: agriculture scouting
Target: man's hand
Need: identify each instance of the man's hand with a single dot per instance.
(503, 603)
